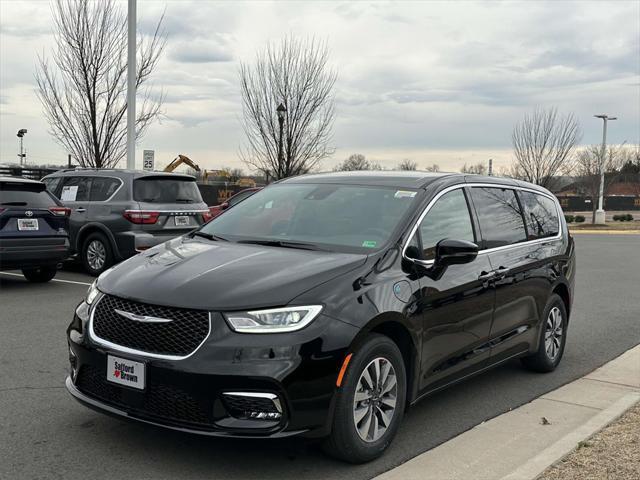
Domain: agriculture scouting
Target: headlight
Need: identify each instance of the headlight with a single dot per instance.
(92, 293)
(273, 320)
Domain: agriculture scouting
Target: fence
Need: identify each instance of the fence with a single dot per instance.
(26, 172)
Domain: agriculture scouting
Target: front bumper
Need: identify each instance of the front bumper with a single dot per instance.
(188, 395)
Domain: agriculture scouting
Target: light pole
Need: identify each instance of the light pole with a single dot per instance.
(22, 156)
(600, 214)
(131, 85)
(281, 111)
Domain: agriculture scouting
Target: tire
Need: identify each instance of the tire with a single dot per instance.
(96, 254)
(549, 354)
(346, 441)
(40, 274)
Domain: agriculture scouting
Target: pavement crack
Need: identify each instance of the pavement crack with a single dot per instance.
(570, 403)
(30, 388)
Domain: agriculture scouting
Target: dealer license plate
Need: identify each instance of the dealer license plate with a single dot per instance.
(125, 372)
(182, 221)
(28, 224)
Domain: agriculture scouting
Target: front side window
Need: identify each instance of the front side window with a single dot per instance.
(540, 214)
(349, 218)
(499, 216)
(448, 218)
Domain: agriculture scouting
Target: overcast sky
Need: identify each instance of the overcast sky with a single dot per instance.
(432, 81)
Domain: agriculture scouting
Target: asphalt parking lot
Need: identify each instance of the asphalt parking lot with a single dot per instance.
(46, 434)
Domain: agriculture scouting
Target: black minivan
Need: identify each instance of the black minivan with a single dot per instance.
(325, 305)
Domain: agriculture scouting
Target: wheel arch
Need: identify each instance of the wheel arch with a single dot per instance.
(94, 227)
(562, 290)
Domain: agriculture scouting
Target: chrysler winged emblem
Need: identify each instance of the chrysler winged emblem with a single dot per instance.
(141, 318)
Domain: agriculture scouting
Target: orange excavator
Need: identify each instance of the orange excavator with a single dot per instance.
(179, 160)
(184, 160)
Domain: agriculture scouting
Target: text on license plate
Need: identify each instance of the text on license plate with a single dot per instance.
(27, 224)
(181, 221)
(125, 372)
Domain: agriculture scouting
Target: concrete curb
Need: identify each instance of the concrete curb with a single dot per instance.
(522, 443)
(563, 447)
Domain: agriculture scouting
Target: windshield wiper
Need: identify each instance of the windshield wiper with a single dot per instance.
(283, 244)
(208, 236)
(184, 200)
(15, 204)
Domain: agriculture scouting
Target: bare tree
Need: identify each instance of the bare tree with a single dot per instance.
(83, 90)
(357, 161)
(543, 143)
(407, 164)
(588, 166)
(234, 174)
(477, 169)
(433, 168)
(296, 74)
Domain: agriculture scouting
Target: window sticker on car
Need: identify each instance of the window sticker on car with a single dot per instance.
(404, 194)
(369, 244)
(69, 193)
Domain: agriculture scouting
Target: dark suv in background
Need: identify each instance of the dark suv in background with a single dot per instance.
(33, 229)
(117, 213)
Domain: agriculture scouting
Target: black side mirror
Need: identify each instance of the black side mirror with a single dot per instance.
(455, 252)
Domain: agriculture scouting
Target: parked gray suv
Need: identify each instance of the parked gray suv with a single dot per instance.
(118, 213)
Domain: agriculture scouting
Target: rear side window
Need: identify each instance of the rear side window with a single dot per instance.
(166, 190)
(102, 188)
(25, 195)
(75, 189)
(52, 183)
(448, 218)
(540, 215)
(499, 216)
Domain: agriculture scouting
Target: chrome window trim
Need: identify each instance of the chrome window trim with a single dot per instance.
(486, 250)
(132, 351)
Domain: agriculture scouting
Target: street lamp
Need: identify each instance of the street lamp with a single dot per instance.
(600, 214)
(21, 134)
(281, 111)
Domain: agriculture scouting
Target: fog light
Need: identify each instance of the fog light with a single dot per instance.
(253, 405)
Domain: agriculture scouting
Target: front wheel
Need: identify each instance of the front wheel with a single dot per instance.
(369, 403)
(553, 338)
(40, 274)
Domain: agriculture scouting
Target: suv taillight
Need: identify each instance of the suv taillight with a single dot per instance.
(60, 211)
(206, 216)
(141, 217)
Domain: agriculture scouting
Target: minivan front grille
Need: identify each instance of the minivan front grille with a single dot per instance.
(167, 330)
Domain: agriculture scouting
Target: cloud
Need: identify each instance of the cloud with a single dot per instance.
(200, 52)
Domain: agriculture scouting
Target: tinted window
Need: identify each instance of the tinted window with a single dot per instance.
(540, 215)
(356, 217)
(102, 188)
(75, 189)
(448, 218)
(239, 197)
(499, 216)
(52, 183)
(166, 190)
(25, 195)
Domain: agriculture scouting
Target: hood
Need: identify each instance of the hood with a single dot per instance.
(216, 275)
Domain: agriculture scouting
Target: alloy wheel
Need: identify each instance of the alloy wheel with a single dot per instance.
(374, 403)
(553, 333)
(96, 254)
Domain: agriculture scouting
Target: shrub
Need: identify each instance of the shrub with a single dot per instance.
(629, 217)
(569, 218)
(618, 218)
(579, 219)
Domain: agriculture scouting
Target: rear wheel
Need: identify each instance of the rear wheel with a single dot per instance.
(40, 274)
(96, 254)
(552, 339)
(370, 402)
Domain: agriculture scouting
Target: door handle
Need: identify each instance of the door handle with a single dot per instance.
(81, 210)
(501, 272)
(486, 276)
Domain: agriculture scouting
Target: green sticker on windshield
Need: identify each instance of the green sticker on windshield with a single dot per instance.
(369, 244)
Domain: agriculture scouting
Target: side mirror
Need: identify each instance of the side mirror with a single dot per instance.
(455, 252)
(224, 206)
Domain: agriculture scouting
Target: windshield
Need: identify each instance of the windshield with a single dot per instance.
(166, 190)
(356, 217)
